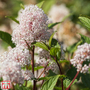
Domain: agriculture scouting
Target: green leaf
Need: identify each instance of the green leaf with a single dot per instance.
(54, 42)
(7, 38)
(85, 21)
(59, 55)
(85, 89)
(49, 84)
(71, 73)
(63, 61)
(51, 25)
(51, 73)
(38, 67)
(86, 80)
(50, 40)
(17, 87)
(67, 82)
(47, 5)
(12, 18)
(73, 47)
(40, 4)
(54, 50)
(41, 45)
(22, 6)
(85, 39)
(58, 88)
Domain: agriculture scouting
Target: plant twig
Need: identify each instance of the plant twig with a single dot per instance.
(73, 80)
(60, 72)
(43, 70)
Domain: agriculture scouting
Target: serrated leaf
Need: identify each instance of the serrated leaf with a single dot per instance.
(41, 45)
(71, 73)
(12, 18)
(54, 50)
(67, 82)
(85, 21)
(7, 38)
(50, 40)
(49, 84)
(40, 4)
(85, 39)
(86, 80)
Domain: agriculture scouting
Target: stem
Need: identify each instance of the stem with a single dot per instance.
(32, 62)
(43, 70)
(26, 83)
(73, 80)
(60, 72)
(13, 88)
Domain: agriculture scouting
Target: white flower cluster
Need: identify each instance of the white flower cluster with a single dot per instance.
(28, 75)
(20, 55)
(44, 58)
(33, 26)
(11, 63)
(82, 54)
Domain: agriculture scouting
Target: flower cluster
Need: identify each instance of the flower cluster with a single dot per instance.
(11, 63)
(33, 26)
(44, 58)
(82, 55)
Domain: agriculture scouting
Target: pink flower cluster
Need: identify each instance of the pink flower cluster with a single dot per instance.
(44, 58)
(11, 63)
(82, 54)
(33, 26)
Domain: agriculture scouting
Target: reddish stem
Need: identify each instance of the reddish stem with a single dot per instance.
(60, 72)
(73, 80)
(32, 62)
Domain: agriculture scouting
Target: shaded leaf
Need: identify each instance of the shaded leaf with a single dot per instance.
(71, 73)
(73, 47)
(7, 38)
(86, 80)
(85, 39)
(50, 40)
